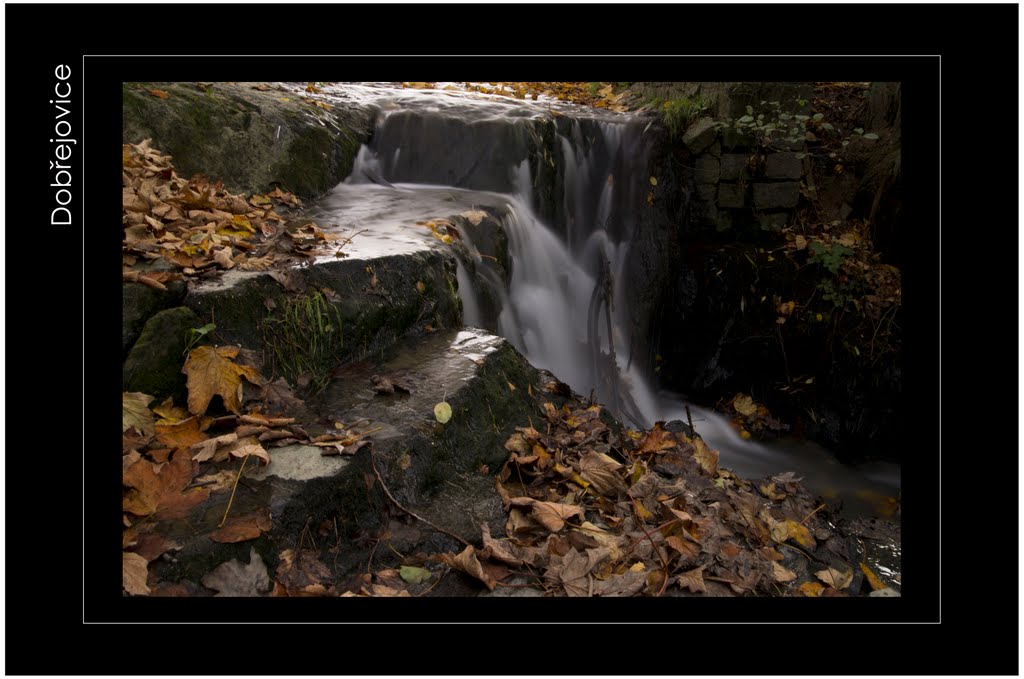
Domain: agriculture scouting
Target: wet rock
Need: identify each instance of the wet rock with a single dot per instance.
(730, 195)
(783, 166)
(734, 167)
(708, 170)
(154, 364)
(138, 303)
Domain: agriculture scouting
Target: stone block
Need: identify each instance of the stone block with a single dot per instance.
(730, 195)
(734, 167)
(777, 195)
(708, 170)
(783, 166)
(154, 364)
(700, 135)
(707, 192)
(774, 221)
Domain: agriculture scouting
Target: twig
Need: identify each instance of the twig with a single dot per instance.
(817, 509)
(657, 551)
(233, 489)
(689, 420)
(414, 515)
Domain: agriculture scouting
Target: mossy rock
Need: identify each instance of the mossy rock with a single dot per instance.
(154, 364)
(139, 302)
(247, 138)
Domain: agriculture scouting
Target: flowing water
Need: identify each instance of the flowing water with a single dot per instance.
(435, 154)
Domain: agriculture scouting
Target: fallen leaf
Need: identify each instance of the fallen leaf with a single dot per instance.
(233, 578)
(170, 413)
(614, 543)
(603, 474)
(474, 216)
(443, 412)
(249, 446)
(161, 493)
(781, 573)
(467, 562)
(744, 405)
(183, 434)
(835, 578)
(223, 257)
(551, 515)
(657, 439)
(572, 571)
(162, 94)
(811, 588)
(302, 573)
(693, 580)
(873, 580)
(242, 528)
(414, 575)
(629, 583)
(689, 549)
(224, 478)
(211, 372)
(207, 450)
(707, 458)
(135, 412)
(134, 572)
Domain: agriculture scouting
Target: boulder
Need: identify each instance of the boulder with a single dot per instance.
(154, 364)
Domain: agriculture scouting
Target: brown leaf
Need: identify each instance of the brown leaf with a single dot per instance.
(151, 545)
(135, 412)
(183, 434)
(467, 562)
(160, 94)
(207, 450)
(213, 482)
(572, 572)
(223, 257)
(629, 583)
(242, 528)
(134, 572)
(249, 446)
(233, 578)
(603, 474)
(162, 493)
(707, 458)
(551, 515)
(211, 372)
(781, 573)
(302, 573)
(835, 578)
(474, 216)
(811, 588)
(503, 550)
(657, 439)
(693, 580)
(550, 412)
(685, 546)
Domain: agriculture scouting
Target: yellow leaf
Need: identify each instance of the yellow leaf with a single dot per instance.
(873, 580)
(811, 588)
(474, 216)
(211, 372)
(707, 458)
(638, 567)
(786, 308)
(135, 412)
(443, 412)
(744, 405)
(421, 287)
(654, 181)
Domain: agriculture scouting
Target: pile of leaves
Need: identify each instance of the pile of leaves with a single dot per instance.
(175, 457)
(592, 513)
(750, 417)
(198, 226)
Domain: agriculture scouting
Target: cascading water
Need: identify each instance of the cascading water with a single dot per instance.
(567, 303)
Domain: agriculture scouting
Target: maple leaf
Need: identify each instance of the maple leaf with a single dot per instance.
(242, 528)
(211, 372)
(657, 439)
(689, 549)
(135, 412)
(572, 572)
(551, 515)
(602, 473)
(183, 434)
(162, 493)
(707, 458)
(693, 580)
(233, 578)
(134, 572)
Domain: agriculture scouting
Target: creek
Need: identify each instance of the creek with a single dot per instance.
(569, 184)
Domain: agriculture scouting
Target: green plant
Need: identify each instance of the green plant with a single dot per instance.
(593, 88)
(196, 334)
(679, 114)
(303, 340)
(829, 257)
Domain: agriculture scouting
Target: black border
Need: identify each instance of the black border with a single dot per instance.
(51, 527)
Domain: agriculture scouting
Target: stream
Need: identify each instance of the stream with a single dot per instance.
(566, 306)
